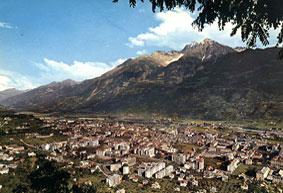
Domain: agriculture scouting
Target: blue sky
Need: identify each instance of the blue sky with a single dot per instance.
(45, 41)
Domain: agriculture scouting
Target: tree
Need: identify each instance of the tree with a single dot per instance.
(256, 188)
(49, 178)
(254, 18)
(84, 189)
(21, 188)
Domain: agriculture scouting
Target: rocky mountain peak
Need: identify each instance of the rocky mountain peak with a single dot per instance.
(67, 82)
(206, 49)
(165, 58)
(208, 41)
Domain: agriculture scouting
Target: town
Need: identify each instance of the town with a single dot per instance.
(124, 154)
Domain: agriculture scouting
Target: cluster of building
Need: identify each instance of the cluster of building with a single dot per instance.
(148, 150)
(8, 157)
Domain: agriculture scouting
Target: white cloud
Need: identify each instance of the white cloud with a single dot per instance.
(118, 61)
(5, 25)
(141, 52)
(9, 79)
(175, 31)
(4, 82)
(51, 70)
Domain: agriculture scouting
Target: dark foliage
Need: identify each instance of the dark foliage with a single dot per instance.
(22, 188)
(256, 188)
(46, 178)
(84, 189)
(254, 18)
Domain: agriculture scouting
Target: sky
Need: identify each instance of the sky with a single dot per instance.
(54, 40)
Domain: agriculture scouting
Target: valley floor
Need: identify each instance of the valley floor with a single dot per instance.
(137, 155)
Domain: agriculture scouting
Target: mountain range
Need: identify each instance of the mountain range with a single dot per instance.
(205, 80)
(9, 93)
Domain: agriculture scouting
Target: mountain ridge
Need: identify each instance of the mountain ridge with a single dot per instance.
(204, 80)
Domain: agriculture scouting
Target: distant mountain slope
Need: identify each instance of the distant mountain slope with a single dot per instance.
(204, 80)
(41, 97)
(9, 93)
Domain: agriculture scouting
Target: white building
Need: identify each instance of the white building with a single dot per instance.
(126, 170)
(145, 151)
(179, 158)
(115, 167)
(233, 165)
(263, 173)
(165, 172)
(4, 171)
(149, 169)
(114, 180)
(156, 168)
(200, 163)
